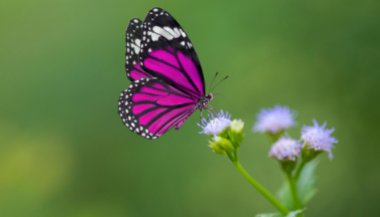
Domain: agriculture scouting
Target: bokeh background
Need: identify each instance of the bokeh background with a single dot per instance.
(65, 153)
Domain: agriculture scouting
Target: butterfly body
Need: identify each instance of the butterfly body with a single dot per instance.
(167, 79)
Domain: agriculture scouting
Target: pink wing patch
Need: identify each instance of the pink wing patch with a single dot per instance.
(137, 72)
(175, 67)
(150, 108)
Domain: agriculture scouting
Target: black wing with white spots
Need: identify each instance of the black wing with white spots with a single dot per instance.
(161, 31)
(133, 37)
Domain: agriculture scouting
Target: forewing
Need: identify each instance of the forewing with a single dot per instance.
(150, 107)
(133, 37)
(167, 53)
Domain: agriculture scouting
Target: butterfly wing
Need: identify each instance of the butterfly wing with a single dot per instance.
(133, 37)
(167, 53)
(167, 79)
(150, 107)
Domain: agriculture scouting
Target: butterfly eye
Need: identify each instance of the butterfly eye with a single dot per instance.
(210, 96)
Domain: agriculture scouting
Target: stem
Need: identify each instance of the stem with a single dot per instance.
(299, 170)
(293, 189)
(260, 188)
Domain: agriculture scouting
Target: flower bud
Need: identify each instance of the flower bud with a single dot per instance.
(235, 132)
(222, 144)
(317, 139)
(215, 147)
(274, 121)
(237, 125)
(285, 149)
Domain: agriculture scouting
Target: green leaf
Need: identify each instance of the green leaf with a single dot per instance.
(305, 185)
(269, 215)
(291, 214)
(307, 181)
(294, 213)
(285, 196)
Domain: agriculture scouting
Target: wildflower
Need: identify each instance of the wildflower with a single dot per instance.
(274, 120)
(226, 134)
(215, 123)
(285, 149)
(318, 138)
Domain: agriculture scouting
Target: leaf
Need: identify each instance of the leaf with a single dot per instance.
(294, 213)
(291, 214)
(307, 181)
(269, 215)
(306, 186)
(285, 196)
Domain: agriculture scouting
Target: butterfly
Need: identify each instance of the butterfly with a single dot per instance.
(167, 79)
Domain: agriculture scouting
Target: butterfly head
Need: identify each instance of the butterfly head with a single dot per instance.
(204, 100)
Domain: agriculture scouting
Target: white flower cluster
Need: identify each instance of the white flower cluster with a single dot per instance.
(215, 123)
(226, 134)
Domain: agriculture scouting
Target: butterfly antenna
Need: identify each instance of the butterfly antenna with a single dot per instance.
(219, 82)
(217, 94)
(213, 80)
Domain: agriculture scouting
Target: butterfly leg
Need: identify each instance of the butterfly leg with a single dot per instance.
(211, 109)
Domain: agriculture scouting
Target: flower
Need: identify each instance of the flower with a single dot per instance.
(274, 120)
(318, 138)
(285, 149)
(215, 123)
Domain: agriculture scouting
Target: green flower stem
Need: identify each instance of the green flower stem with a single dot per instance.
(293, 189)
(260, 188)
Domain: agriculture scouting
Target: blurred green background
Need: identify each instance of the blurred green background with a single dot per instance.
(65, 153)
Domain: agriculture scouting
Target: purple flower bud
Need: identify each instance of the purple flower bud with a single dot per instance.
(274, 120)
(285, 149)
(318, 138)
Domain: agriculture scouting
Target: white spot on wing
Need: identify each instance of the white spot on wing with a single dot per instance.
(162, 32)
(174, 32)
(165, 32)
(182, 33)
(154, 36)
(136, 45)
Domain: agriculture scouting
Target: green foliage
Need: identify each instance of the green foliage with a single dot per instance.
(305, 185)
(284, 194)
(269, 215)
(307, 182)
(291, 214)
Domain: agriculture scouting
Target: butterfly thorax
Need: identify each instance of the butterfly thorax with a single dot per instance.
(203, 101)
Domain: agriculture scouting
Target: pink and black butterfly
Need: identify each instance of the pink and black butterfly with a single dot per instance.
(167, 79)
